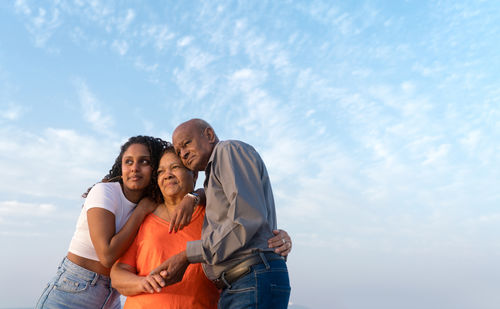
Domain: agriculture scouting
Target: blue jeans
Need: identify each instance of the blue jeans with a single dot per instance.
(266, 286)
(77, 287)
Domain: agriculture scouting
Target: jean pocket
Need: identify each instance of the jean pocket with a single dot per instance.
(72, 284)
(275, 288)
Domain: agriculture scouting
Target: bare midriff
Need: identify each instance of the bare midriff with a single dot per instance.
(89, 264)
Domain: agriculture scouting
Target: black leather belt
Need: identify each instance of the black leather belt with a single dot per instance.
(243, 268)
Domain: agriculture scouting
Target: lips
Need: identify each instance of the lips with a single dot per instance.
(170, 183)
(135, 178)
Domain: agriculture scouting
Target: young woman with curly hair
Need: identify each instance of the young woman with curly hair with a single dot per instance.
(110, 218)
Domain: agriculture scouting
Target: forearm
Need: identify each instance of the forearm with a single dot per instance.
(125, 281)
(124, 238)
(120, 242)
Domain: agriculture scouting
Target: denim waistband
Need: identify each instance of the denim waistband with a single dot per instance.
(83, 272)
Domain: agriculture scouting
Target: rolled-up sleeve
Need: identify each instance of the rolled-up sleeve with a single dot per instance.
(194, 251)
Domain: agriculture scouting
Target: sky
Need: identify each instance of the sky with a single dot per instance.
(379, 122)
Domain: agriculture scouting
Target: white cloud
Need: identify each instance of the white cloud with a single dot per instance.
(141, 65)
(436, 154)
(92, 110)
(120, 46)
(12, 112)
(43, 25)
(125, 22)
(55, 163)
(471, 140)
(16, 208)
(22, 6)
(196, 59)
(159, 34)
(246, 79)
(185, 41)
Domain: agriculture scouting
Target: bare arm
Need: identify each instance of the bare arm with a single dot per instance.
(183, 213)
(124, 278)
(108, 245)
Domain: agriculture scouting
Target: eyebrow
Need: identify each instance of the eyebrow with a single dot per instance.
(140, 157)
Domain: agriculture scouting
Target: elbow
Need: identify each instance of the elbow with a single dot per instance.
(115, 285)
(116, 280)
(107, 264)
(107, 261)
(118, 287)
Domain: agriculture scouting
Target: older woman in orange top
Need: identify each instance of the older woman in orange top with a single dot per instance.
(154, 244)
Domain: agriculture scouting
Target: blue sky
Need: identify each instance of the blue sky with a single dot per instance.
(379, 122)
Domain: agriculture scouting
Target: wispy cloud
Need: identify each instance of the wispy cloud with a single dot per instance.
(42, 23)
(91, 108)
(71, 162)
(121, 47)
(12, 112)
(124, 23)
(16, 208)
(160, 36)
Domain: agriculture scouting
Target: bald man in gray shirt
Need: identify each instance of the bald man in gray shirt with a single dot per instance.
(240, 218)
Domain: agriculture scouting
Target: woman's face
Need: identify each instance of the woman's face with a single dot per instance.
(174, 179)
(136, 168)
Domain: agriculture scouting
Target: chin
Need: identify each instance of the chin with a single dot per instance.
(137, 187)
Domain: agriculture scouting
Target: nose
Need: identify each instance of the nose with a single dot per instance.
(168, 174)
(184, 154)
(135, 167)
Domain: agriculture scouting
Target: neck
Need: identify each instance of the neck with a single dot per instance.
(172, 201)
(168, 207)
(131, 195)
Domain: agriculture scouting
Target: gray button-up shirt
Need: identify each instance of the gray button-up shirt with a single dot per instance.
(240, 211)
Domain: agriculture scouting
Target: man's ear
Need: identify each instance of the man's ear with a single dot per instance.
(210, 134)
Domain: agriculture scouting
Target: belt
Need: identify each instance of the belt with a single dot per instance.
(243, 268)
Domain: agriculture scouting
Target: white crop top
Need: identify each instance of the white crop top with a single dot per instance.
(103, 195)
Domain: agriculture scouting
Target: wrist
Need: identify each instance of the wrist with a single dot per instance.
(194, 196)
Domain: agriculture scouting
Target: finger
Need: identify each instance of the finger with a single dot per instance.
(147, 287)
(277, 242)
(159, 279)
(186, 218)
(287, 250)
(274, 244)
(151, 280)
(282, 234)
(178, 223)
(164, 274)
(283, 246)
(277, 238)
(174, 223)
(285, 253)
(279, 250)
(182, 222)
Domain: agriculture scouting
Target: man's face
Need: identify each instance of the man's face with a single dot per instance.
(193, 146)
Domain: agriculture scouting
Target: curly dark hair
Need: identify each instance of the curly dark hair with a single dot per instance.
(156, 147)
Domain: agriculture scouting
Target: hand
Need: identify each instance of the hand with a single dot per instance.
(152, 283)
(173, 269)
(147, 205)
(282, 242)
(182, 214)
